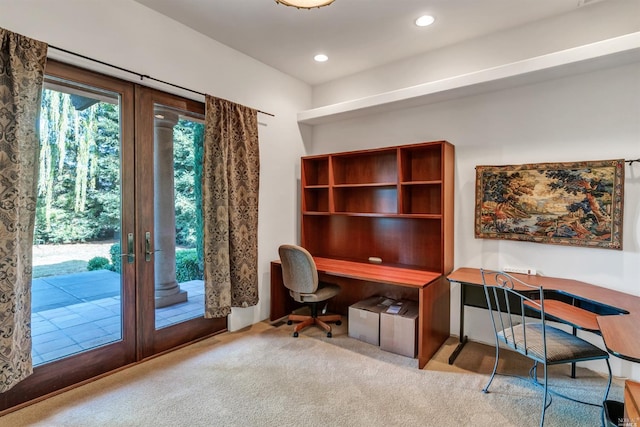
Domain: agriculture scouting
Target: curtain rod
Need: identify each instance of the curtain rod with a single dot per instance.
(142, 76)
(632, 161)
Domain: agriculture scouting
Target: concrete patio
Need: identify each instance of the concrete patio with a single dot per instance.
(76, 312)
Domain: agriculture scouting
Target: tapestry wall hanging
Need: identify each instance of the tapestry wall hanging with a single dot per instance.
(577, 204)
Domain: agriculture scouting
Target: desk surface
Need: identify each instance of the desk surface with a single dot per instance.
(378, 273)
(575, 316)
(620, 333)
(625, 345)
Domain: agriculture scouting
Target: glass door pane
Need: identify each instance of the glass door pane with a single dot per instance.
(178, 272)
(169, 140)
(77, 286)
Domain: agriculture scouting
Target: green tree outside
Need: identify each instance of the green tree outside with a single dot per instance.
(79, 184)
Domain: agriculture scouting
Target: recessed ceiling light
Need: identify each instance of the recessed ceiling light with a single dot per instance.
(425, 21)
(321, 57)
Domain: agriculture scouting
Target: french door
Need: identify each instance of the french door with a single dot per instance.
(117, 250)
(169, 136)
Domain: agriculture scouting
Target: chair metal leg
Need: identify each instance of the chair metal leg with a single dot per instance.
(544, 399)
(495, 368)
(606, 394)
(573, 364)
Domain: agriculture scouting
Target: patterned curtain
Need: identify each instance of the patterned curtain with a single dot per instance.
(22, 62)
(230, 181)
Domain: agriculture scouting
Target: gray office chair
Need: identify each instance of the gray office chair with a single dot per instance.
(300, 276)
(510, 301)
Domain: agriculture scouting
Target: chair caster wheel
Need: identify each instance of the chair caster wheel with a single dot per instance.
(329, 335)
(289, 322)
(295, 335)
(339, 322)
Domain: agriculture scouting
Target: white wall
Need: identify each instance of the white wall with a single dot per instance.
(591, 116)
(127, 34)
(592, 23)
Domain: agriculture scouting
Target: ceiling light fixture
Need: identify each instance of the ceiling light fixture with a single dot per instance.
(305, 4)
(425, 21)
(321, 57)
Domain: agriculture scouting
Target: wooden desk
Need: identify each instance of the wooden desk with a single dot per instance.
(621, 335)
(570, 314)
(617, 314)
(359, 280)
(632, 403)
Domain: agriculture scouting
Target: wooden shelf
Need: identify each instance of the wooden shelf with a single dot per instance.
(421, 164)
(395, 203)
(316, 171)
(434, 217)
(422, 199)
(381, 215)
(383, 200)
(421, 183)
(368, 167)
(315, 213)
(316, 199)
(370, 184)
(367, 214)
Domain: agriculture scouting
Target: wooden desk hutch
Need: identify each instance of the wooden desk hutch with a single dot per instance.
(392, 203)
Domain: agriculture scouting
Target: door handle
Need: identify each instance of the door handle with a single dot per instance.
(130, 254)
(147, 247)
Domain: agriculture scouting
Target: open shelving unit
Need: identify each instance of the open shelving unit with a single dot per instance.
(392, 203)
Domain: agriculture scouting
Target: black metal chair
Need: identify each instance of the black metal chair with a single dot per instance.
(511, 302)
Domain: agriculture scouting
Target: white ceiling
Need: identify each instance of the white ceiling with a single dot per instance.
(355, 34)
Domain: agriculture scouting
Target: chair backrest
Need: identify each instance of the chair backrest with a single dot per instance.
(299, 273)
(509, 301)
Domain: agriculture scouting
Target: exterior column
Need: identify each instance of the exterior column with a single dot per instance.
(167, 289)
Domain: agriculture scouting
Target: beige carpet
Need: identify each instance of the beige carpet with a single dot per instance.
(262, 376)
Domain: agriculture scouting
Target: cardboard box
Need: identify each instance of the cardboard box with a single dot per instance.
(364, 319)
(399, 327)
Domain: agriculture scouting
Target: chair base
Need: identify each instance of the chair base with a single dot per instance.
(309, 320)
(547, 393)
